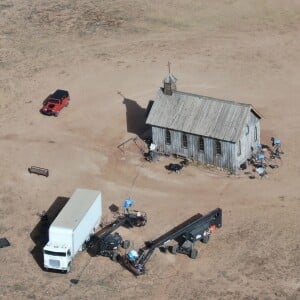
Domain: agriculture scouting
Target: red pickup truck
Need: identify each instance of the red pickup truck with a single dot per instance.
(55, 102)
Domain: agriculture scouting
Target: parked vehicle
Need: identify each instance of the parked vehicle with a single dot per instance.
(55, 102)
(72, 229)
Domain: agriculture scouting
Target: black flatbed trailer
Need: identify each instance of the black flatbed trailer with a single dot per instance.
(196, 228)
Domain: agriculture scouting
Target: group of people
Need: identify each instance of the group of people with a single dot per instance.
(259, 160)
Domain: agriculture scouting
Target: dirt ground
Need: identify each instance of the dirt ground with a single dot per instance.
(112, 57)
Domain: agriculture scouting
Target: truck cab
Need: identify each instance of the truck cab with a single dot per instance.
(57, 257)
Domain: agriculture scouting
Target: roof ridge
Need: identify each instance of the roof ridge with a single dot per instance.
(212, 98)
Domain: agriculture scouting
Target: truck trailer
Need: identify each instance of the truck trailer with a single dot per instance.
(72, 229)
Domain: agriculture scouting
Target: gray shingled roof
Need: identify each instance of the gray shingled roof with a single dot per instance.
(200, 115)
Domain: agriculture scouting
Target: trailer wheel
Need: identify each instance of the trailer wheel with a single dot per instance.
(174, 249)
(194, 253)
(205, 239)
(114, 256)
(125, 244)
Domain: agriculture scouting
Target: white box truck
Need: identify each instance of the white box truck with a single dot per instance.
(73, 226)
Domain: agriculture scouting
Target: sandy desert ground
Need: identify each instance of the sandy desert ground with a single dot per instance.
(112, 57)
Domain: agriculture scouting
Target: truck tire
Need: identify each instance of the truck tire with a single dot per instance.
(174, 249)
(205, 239)
(69, 268)
(194, 253)
(67, 104)
(55, 114)
(125, 244)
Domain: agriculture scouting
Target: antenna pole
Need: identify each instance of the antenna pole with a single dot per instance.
(169, 67)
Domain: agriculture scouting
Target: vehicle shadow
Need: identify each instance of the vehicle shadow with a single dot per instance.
(136, 117)
(39, 234)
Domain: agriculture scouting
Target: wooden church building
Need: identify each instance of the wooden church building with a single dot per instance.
(211, 131)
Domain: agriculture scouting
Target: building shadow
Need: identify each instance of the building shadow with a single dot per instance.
(136, 117)
(40, 233)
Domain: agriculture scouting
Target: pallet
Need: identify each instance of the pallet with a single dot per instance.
(38, 171)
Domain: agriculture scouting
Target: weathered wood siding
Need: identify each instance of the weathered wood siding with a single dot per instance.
(230, 158)
(248, 142)
(226, 160)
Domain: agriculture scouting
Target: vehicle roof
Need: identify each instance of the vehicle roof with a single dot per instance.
(76, 208)
(58, 94)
